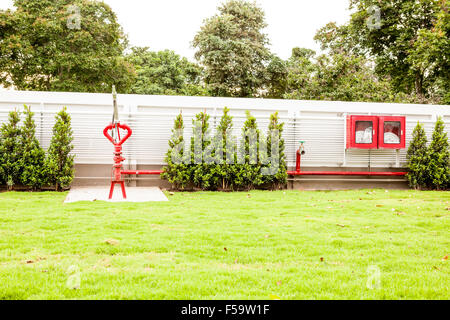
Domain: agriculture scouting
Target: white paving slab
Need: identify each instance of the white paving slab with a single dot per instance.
(134, 194)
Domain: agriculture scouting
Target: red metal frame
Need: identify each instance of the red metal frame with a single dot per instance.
(351, 132)
(381, 122)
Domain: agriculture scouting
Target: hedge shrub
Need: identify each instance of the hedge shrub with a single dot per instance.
(218, 162)
(417, 158)
(59, 161)
(439, 158)
(33, 156)
(429, 167)
(22, 160)
(11, 150)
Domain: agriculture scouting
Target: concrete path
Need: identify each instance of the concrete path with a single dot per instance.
(134, 194)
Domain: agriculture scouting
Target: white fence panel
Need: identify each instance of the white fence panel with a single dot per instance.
(321, 124)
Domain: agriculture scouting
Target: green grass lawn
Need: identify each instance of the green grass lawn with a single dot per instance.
(257, 245)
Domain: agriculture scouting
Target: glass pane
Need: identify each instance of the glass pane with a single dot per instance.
(363, 131)
(392, 132)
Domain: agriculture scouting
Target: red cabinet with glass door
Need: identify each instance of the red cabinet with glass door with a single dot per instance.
(391, 132)
(362, 132)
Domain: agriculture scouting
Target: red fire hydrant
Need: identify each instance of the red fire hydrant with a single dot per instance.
(116, 174)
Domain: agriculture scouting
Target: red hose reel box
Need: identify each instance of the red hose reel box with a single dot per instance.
(391, 132)
(375, 132)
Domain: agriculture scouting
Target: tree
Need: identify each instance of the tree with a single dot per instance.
(417, 158)
(439, 158)
(62, 45)
(399, 33)
(276, 78)
(33, 156)
(339, 40)
(164, 73)
(431, 54)
(233, 49)
(11, 150)
(59, 161)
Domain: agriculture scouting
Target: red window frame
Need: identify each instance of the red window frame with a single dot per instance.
(381, 122)
(351, 132)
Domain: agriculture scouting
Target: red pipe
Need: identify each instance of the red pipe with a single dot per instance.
(292, 173)
(297, 171)
(344, 173)
(138, 172)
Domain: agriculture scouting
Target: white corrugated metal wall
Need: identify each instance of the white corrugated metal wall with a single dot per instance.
(320, 124)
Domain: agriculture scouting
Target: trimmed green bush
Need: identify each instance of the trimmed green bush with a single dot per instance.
(226, 141)
(417, 159)
(276, 179)
(204, 174)
(33, 156)
(213, 163)
(439, 158)
(59, 162)
(248, 174)
(177, 171)
(429, 167)
(11, 150)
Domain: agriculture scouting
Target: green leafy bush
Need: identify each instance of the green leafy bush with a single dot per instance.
(33, 156)
(439, 158)
(11, 150)
(417, 158)
(59, 162)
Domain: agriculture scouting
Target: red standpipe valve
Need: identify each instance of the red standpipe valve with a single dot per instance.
(300, 152)
(117, 168)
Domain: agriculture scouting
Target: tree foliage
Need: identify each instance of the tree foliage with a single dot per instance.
(336, 77)
(233, 49)
(407, 42)
(62, 45)
(164, 73)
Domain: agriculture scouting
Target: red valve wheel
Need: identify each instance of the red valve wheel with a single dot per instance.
(121, 126)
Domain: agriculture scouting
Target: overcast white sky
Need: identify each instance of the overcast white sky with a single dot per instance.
(172, 24)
